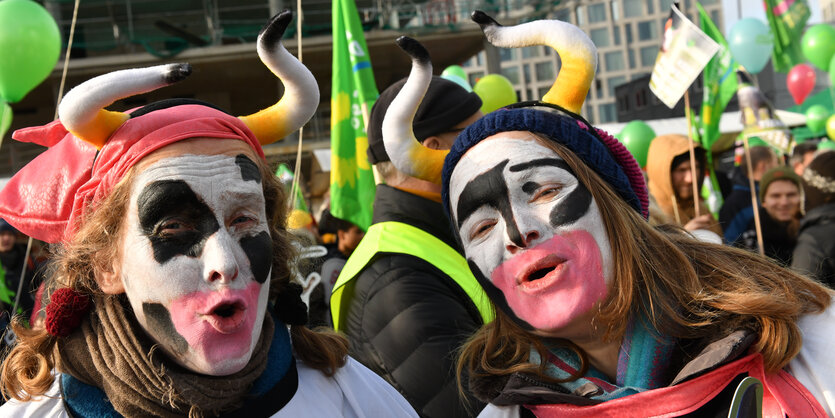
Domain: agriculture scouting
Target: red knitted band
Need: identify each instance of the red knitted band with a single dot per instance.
(65, 311)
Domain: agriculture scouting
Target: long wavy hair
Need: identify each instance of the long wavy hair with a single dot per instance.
(687, 289)
(27, 369)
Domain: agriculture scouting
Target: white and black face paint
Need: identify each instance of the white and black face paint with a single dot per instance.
(531, 232)
(196, 259)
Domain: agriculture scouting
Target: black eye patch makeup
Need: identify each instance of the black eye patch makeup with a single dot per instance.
(173, 203)
(249, 170)
(259, 250)
(489, 189)
(573, 207)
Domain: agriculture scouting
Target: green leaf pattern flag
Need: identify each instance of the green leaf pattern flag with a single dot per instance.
(286, 176)
(787, 19)
(353, 93)
(719, 82)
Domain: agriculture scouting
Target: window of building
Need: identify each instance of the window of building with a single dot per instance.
(581, 15)
(507, 54)
(512, 74)
(600, 37)
(531, 51)
(615, 10)
(665, 4)
(633, 8)
(543, 91)
(563, 14)
(614, 82)
(544, 71)
(631, 53)
(606, 112)
(648, 55)
(518, 96)
(627, 29)
(597, 12)
(623, 103)
(715, 17)
(530, 95)
(598, 88)
(614, 61)
(526, 69)
(616, 34)
(704, 2)
(474, 77)
(641, 98)
(650, 6)
(647, 30)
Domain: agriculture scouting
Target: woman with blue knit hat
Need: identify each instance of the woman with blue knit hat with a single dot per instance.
(597, 312)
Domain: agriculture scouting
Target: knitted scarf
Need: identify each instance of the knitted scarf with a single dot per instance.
(112, 352)
(643, 363)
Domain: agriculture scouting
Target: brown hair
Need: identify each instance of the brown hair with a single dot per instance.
(696, 291)
(27, 370)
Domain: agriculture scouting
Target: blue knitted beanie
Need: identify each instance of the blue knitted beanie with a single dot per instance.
(600, 151)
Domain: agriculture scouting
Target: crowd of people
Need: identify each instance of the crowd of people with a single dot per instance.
(519, 263)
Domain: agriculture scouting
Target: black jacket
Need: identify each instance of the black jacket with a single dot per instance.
(814, 253)
(407, 319)
(736, 215)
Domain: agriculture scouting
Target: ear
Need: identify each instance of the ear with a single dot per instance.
(110, 282)
(432, 142)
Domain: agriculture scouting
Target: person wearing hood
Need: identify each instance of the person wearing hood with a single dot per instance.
(670, 181)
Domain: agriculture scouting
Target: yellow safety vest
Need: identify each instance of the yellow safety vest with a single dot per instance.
(397, 237)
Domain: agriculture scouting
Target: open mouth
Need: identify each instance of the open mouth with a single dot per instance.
(226, 317)
(538, 274)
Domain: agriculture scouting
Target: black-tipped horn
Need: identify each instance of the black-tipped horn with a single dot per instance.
(274, 30)
(414, 48)
(483, 19)
(177, 73)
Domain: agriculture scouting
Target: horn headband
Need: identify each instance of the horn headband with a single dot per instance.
(91, 149)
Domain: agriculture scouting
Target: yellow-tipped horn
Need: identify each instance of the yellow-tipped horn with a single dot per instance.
(82, 109)
(577, 54)
(301, 93)
(404, 150)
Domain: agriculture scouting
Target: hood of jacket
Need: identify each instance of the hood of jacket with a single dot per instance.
(662, 151)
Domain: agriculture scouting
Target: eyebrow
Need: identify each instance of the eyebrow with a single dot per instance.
(541, 162)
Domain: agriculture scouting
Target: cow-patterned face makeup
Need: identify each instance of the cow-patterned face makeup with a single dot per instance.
(196, 259)
(532, 233)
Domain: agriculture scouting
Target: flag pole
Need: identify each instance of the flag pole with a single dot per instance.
(692, 153)
(754, 205)
(297, 169)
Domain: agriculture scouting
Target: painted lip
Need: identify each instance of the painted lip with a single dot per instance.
(227, 315)
(525, 270)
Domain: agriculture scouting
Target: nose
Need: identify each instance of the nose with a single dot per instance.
(522, 240)
(219, 263)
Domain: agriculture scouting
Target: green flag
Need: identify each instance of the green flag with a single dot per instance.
(719, 83)
(787, 20)
(287, 178)
(353, 93)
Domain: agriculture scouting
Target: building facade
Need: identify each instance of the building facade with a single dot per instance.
(627, 34)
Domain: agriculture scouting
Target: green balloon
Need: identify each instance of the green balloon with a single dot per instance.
(816, 117)
(495, 91)
(30, 44)
(455, 70)
(636, 137)
(826, 144)
(5, 118)
(819, 45)
(832, 70)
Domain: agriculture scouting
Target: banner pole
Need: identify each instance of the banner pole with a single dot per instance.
(754, 205)
(692, 153)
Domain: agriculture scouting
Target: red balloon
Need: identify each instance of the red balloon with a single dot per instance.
(801, 82)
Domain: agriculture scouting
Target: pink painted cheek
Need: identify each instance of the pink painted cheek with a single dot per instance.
(567, 293)
(204, 338)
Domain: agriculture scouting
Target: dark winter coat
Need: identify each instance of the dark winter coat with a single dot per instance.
(407, 319)
(737, 216)
(814, 253)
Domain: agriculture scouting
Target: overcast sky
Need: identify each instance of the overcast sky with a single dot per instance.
(754, 8)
